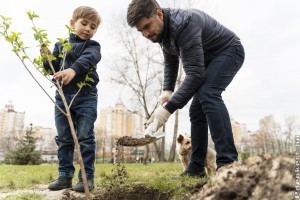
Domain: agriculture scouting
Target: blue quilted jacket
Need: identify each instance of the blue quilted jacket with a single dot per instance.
(83, 58)
(195, 38)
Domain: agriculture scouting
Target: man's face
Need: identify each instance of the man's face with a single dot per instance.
(152, 27)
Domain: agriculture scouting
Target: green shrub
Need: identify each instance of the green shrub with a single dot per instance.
(25, 153)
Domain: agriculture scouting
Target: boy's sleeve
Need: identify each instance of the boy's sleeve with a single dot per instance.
(56, 62)
(88, 59)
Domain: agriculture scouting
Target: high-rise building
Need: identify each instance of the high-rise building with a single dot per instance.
(239, 131)
(11, 127)
(116, 122)
(45, 142)
(11, 122)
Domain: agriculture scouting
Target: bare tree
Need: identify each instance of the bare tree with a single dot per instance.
(291, 125)
(139, 70)
(270, 130)
(145, 58)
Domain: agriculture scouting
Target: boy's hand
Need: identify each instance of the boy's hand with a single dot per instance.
(65, 76)
(44, 51)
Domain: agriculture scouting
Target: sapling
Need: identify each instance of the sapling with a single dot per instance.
(40, 35)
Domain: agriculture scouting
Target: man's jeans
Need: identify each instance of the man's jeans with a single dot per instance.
(208, 109)
(84, 113)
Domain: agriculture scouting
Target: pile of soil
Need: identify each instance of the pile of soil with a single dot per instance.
(256, 178)
(130, 141)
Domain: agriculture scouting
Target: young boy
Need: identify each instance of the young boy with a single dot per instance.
(80, 61)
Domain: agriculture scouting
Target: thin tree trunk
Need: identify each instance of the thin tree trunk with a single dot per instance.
(163, 142)
(77, 146)
(146, 155)
(173, 147)
(162, 157)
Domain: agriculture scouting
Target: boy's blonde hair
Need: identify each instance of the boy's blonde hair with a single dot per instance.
(86, 12)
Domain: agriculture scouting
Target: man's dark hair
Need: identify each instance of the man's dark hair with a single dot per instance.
(141, 8)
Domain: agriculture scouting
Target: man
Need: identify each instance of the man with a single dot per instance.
(211, 55)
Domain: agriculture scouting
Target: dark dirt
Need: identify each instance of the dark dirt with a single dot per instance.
(256, 178)
(138, 192)
(130, 141)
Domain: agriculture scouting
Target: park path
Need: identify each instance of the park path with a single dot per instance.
(41, 190)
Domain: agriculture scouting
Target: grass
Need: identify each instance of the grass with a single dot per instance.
(24, 196)
(26, 176)
(158, 176)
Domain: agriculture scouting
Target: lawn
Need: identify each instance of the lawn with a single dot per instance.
(158, 176)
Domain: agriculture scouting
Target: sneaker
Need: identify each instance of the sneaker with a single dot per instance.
(79, 187)
(60, 183)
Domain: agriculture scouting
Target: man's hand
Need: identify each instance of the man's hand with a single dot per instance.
(65, 76)
(158, 119)
(164, 97)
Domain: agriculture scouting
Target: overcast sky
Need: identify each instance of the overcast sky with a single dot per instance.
(268, 82)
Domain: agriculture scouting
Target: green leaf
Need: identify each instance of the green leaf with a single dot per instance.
(32, 15)
(25, 57)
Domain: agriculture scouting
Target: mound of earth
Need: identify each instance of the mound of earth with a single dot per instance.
(256, 178)
(130, 141)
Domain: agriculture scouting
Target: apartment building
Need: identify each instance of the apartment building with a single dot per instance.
(115, 122)
(11, 128)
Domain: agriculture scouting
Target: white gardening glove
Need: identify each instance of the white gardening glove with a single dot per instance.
(158, 119)
(164, 97)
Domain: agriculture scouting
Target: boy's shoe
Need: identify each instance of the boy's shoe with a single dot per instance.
(79, 187)
(60, 183)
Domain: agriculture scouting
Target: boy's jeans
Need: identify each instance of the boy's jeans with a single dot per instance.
(84, 113)
(208, 108)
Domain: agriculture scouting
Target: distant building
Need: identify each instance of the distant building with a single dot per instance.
(11, 122)
(239, 131)
(116, 122)
(11, 128)
(45, 142)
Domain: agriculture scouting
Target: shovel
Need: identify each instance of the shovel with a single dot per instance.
(148, 138)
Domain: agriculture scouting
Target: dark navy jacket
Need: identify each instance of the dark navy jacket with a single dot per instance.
(195, 38)
(83, 58)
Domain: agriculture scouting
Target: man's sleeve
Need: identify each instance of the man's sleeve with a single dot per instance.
(192, 56)
(170, 71)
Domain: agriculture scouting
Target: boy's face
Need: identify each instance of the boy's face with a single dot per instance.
(84, 28)
(151, 28)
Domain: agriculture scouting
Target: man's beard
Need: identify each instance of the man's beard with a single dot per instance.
(156, 39)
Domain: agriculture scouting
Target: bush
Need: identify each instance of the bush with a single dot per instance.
(25, 153)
